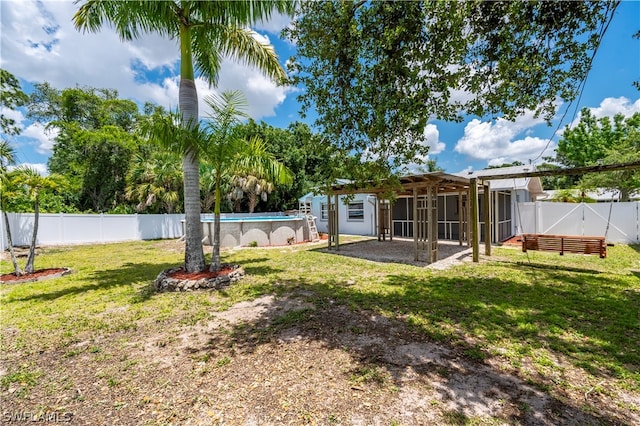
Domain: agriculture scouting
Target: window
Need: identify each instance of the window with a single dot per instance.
(324, 212)
(355, 211)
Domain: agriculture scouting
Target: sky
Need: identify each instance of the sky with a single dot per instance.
(40, 44)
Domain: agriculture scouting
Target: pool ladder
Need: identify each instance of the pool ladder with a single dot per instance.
(313, 231)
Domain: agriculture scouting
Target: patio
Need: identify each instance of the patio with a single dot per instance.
(400, 250)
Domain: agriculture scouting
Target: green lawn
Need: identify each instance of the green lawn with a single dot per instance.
(537, 314)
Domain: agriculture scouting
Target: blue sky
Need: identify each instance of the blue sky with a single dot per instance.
(39, 43)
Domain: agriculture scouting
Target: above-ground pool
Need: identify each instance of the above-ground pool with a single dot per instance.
(261, 230)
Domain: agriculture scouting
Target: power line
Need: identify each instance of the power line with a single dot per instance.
(583, 83)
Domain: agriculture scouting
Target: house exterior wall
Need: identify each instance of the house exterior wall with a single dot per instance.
(402, 216)
(349, 219)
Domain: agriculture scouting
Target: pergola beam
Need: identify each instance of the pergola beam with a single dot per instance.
(566, 172)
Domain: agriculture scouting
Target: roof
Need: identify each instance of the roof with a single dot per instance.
(442, 182)
(530, 184)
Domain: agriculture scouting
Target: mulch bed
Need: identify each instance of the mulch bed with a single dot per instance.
(181, 274)
(39, 275)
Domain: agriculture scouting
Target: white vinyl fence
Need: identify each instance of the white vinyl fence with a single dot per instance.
(622, 219)
(619, 222)
(62, 229)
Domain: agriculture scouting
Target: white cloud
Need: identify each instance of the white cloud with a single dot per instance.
(14, 115)
(432, 135)
(262, 94)
(496, 141)
(44, 138)
(276, 23)
(610, 107)
(40, 43)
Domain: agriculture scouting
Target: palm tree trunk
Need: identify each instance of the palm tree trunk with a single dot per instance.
(188, 102)
(253, 201)
(14, 259)
(193, 252)
(215, 255)
(28, 269)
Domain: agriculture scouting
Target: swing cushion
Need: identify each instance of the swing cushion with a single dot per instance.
(565, 244)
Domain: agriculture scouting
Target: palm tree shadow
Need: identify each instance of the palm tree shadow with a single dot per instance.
(129, 274)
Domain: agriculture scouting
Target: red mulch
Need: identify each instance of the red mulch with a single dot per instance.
(180, 274)
(513, 241)
(39, 274)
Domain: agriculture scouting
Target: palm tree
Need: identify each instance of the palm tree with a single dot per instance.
(255, 188)
(155, 182)
(33, 182)
(7, 158)
(226, 152)
(208, 186)
(207, 31)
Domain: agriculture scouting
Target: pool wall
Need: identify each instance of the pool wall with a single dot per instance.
(263, 228)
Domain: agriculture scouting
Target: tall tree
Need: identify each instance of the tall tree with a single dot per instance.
(11, 96)
(605, 140)
(376, 71)
(7, 158)
(227, 153)
(206, 32)
(94, 144)
(33, 183)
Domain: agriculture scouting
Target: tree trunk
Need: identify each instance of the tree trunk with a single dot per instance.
(253, 201)
(625, 194)
(14, 259)
(215, 255)
(188, 102)
(193, 252)
(28, 269)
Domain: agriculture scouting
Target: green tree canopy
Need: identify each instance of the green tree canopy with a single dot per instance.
(11, 97)
(95, 141)
(605, 140)
(302, 151)
(376, 72)
(207, 32)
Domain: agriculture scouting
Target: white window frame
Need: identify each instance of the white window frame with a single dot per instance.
(324, 211)
(355, 207)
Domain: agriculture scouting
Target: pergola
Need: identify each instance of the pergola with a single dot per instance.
(425, 215)
(424, 189)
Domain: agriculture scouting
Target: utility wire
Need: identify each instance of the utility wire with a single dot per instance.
(582, 84)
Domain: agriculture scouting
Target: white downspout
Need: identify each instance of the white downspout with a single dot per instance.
(375, 213)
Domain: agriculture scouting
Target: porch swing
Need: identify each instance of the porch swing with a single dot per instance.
(565, 244)
(579, 244)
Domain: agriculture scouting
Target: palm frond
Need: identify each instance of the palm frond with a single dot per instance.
(212, 42)
(239, 13)
(130, 19)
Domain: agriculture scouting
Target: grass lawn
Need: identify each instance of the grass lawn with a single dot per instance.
(567, 326)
